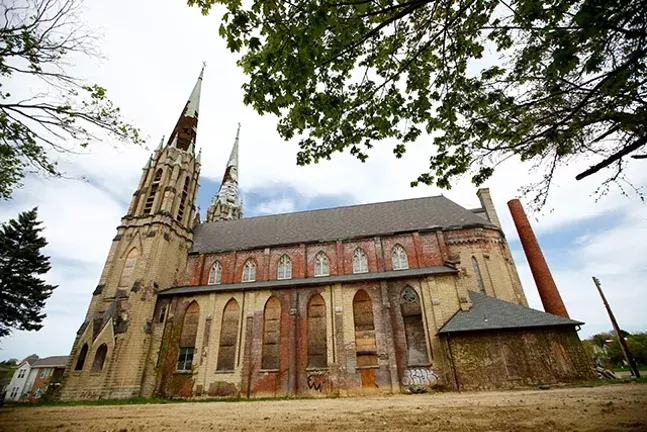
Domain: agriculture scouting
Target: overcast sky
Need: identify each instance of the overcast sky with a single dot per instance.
(153, 53)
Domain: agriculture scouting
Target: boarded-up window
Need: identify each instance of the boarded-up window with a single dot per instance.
(364, 329)
(99, 358)
(215, 274)
(272, 334)
(80, 361)
(511, 362)
(228, 336)
(129, 268)
(317, 340)
(413, 327)
(564, 365)
(322, 266)
(477, 274)
(188, 337)
(399, 258)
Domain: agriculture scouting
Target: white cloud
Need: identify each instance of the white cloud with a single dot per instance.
(279, 205)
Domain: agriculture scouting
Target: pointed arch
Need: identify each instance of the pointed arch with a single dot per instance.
(188, 337)
(249, 271)
(365, 347)
(413, 327)
(271, 358)
(228, 336)
(511, 362)
(80, 360)
(360, 261)
(317, 336)
(215, 274)
(183, 195)
(564, 365)
(322, 265)
(399, 258)
(99, 358)
(125, 280)
(477, 274)
(284, 269)
(150, 200)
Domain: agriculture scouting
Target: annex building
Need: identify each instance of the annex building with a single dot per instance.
(397, 296)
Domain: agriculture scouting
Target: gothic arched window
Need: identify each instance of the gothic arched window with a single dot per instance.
(284, 270)
(215, 274)
(413, 327)
(322, 266)
(399, 258)
(183, 195)
(129, 268)
(81, 359)
(477, 274)
(99, 358)
(249, 271)
(365, 347)
(360, 262)
(188, 337)
(272, 334)
(317, 338)
(228, 336)
(148, 207)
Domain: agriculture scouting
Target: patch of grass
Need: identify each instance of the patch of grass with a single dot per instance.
(641, 368)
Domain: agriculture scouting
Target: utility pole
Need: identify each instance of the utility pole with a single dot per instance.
(616, 327)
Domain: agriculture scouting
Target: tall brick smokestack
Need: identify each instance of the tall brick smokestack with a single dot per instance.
(548, 292)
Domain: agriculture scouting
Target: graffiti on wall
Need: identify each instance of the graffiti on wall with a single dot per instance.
(419, 376)
(316, 380)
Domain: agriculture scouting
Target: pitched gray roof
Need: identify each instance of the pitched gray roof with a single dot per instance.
(334, 224)
(489, 313)
(53, 361)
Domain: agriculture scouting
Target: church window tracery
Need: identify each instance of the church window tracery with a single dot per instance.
(322, 265)
(413, 327)
(249, 271)
(399, 258)
(215, 274)
(284, 270)
(360, 261)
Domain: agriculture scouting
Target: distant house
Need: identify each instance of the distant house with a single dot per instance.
(17, 387)
(43, 372)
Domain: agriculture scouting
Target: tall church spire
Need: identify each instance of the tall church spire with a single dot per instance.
(226, 203)
(187, 125)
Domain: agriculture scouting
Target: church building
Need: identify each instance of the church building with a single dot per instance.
(400, 296)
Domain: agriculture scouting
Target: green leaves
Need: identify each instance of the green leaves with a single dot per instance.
(538, 81)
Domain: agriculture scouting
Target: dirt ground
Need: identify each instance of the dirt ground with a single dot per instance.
(609, 408)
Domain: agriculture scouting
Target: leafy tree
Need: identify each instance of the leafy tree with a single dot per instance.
(22, 292)
(37, 41)
(567, 80)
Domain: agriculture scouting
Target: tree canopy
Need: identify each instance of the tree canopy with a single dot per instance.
(480, 81)
(38, 42)
(22, 292)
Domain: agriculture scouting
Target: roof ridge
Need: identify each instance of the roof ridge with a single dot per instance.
(337, 207)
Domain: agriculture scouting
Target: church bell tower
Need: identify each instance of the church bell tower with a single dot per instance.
(114, 354)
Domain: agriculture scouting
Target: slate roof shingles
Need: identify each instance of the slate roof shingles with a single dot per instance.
(333, 224)
(489, 313)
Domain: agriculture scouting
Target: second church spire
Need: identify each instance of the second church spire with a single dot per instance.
(226, 204)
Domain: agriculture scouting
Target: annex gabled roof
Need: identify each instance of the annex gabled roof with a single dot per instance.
(53, 361)
(334, 224)
(489, 313)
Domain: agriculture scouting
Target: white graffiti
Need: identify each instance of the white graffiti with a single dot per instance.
(419, 376)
